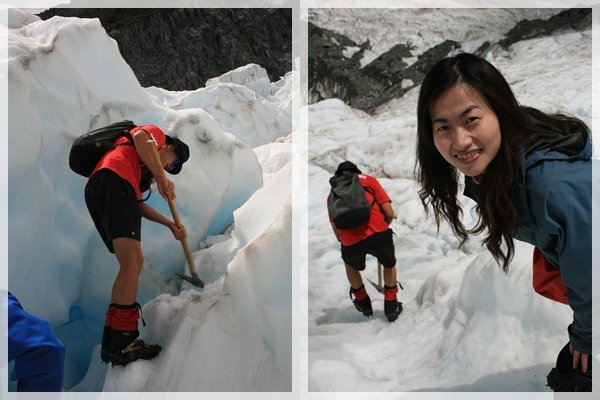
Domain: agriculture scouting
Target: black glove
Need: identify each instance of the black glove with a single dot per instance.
(563, 378)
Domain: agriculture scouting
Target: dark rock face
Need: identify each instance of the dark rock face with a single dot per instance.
(332, 75)
(329, 71)
(179, 49)
(578, 19)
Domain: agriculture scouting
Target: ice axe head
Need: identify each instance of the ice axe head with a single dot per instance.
(194, 280)
(379, 288)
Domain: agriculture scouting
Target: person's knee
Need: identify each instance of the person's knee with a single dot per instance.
(132, 264)
(138, 260)
(135, 263)
(129, 254)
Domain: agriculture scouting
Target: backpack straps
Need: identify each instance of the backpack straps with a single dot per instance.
(147, 196)
(372, 192)
(129, 138)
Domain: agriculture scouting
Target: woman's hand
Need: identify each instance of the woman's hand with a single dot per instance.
(579, 358)
(178, 231)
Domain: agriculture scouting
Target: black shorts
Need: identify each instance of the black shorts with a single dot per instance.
(113, 206)
(379, 245)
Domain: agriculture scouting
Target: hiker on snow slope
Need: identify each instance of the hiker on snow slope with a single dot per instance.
(373, 236)
(112, 196)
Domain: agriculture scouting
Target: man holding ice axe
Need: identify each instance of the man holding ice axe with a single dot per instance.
(360, 212)
(112, 196)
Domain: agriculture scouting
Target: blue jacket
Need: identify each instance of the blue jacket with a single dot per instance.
(39, 355)
(554, 204)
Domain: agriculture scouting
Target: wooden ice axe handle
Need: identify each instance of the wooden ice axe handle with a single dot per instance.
(177, 220)
(184, 243)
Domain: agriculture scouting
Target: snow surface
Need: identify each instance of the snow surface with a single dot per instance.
(66, 76)
(466, 326)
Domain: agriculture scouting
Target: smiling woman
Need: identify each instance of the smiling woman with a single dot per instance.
(530, 174)
(466, 130)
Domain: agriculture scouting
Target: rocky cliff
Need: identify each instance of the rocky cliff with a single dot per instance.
(336, 73)
(180, 48)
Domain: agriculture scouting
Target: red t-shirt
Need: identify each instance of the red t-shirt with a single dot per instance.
(376, 223)
(124, 160)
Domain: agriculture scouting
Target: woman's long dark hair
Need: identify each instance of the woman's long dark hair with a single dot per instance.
(439, 179)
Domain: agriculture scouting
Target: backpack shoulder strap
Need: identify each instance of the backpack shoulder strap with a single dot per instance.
(372, 192)
(129, 138)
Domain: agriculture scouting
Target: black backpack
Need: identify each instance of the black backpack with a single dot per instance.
(89, 148)
(347, 204)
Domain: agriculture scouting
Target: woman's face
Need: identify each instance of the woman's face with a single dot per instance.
(466, 130)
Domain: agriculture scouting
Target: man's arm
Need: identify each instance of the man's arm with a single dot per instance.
(388, 212)
(151, 214)
(145, 147)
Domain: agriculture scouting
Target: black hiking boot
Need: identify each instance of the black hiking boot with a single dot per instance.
(126, 347)
(364, 305)
(105, 343)
(134, 351)
(391, 306)
(392, 309)
(572, 382)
